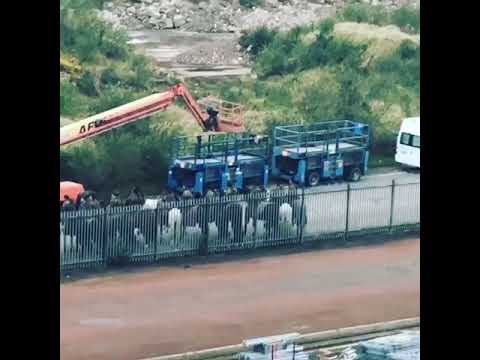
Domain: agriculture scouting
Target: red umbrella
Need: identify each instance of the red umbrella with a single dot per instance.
(71, 189)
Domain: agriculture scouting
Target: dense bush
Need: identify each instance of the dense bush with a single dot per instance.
(143, 74)
(365, 13)
(257, 40)
(404, 63)
(405, 17)
(135, 154)
(287, 53)
(330, 51)
(113, 96)
(282, 55)
(110, 77)
(88, 84)
(84, 35)
(71, 101)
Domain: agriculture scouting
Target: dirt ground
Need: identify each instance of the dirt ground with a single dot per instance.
(172, 310)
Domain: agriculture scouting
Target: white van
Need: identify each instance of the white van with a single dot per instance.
(408, 143)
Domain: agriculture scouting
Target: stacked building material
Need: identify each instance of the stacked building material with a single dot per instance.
(280, 347)
(404, 346)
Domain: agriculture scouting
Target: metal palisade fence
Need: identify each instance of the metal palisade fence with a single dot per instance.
(121, 235)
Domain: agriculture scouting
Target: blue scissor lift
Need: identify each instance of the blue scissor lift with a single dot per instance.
(218, 161)
(310, 153)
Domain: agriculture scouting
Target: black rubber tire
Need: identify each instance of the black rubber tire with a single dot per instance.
(354, 175)
(313, 178)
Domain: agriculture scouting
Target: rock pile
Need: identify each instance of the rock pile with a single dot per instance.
(226, 53)
(222, 15)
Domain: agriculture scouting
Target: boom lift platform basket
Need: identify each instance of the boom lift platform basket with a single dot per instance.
(230, 113)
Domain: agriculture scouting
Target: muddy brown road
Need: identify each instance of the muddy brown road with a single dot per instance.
(173, 310)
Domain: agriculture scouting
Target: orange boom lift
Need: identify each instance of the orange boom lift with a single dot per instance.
(229, 115)
(212, 115)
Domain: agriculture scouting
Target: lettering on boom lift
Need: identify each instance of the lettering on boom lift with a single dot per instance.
(91, 125)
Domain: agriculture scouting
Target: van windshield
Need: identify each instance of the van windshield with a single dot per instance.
(405, 139)
(410, 140)
(416, 141)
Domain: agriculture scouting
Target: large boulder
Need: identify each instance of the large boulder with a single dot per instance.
(152, 10)
(179, 21)
(167, 23)
(131, 10)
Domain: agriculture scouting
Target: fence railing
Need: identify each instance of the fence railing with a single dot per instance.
(101, 237)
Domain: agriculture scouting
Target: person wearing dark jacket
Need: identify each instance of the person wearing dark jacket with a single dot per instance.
(83, 204)
(269, 213)
(67, 204)
(68, 223)
(255, 208)
(89, 223)
(86, 203)
(139, 194)
(212, 121)
(292, 193)
(299, 213)
(93, 203)
(132, 198)
(115, 199)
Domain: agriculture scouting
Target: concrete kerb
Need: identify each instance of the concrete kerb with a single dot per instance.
(359, 330)
(231, 350)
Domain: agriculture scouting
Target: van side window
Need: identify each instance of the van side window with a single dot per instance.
(259, 348)
(405, 139)
(416, 141)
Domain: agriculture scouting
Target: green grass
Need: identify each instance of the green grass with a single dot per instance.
(379, 161)
(405, 17)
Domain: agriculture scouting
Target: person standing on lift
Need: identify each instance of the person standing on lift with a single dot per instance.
(212, 121)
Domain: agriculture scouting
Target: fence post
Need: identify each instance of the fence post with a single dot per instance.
(392, 203)
(205, 218)
(155, 244)
(255, 202)
(345, 235)
(105, 236)
(302, 225)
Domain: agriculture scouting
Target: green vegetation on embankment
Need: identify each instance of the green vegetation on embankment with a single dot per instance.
(101, 71)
